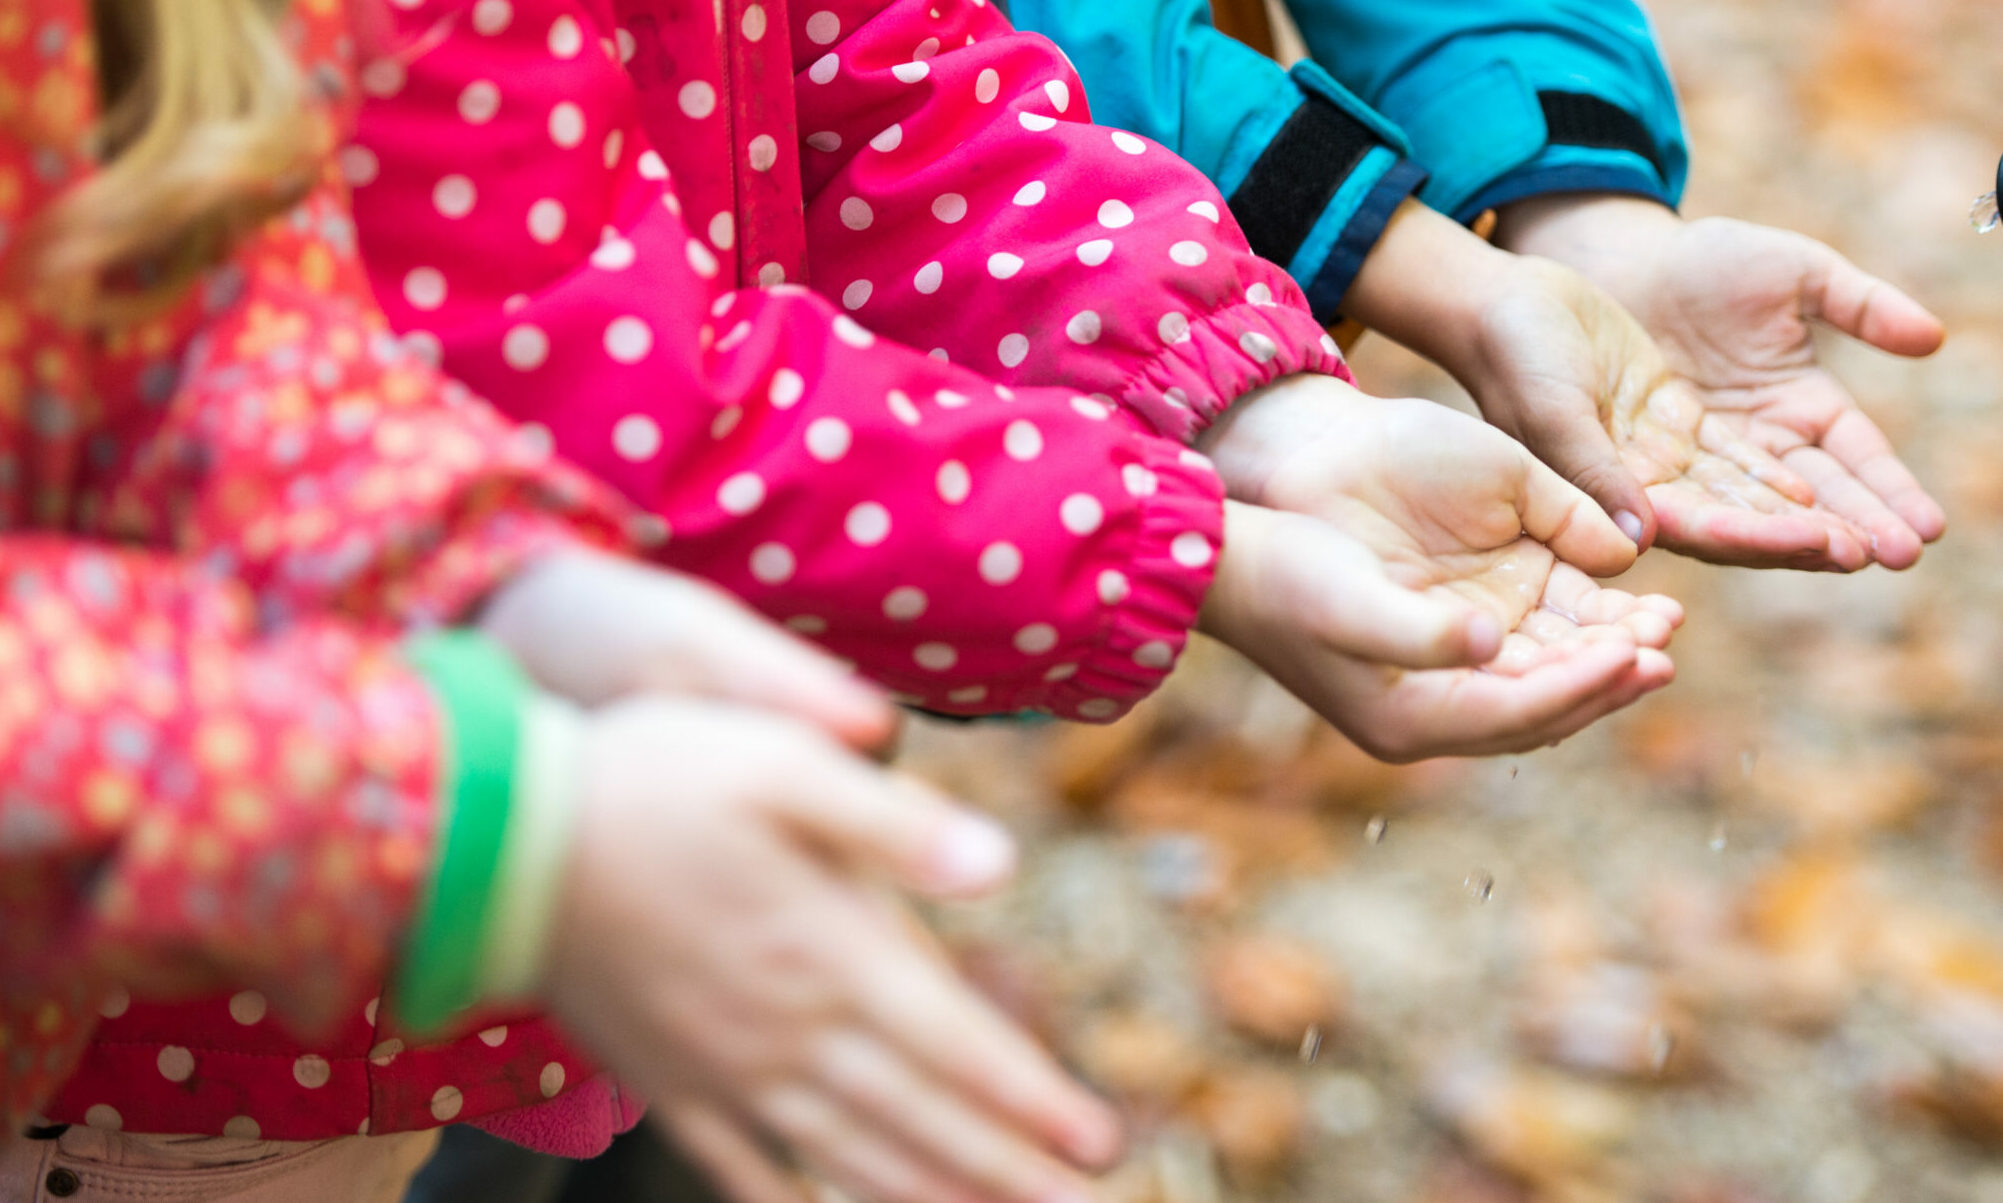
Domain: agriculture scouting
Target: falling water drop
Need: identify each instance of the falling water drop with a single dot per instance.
(1374, 830)
(1717, 841)
(1479, 886)
(1310, 1045)
(1661, 1046)
(1985, 215)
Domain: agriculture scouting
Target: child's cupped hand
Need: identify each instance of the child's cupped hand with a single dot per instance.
(1559, 364)
(1420, 579)
(722, 943)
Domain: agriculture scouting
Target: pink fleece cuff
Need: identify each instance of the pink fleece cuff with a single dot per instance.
(580, 1123)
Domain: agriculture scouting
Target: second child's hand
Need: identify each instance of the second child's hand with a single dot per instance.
(1452, 518)
(1722, 438)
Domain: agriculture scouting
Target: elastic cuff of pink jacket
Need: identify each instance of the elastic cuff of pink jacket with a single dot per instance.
(1223, 356)
(1152, 603)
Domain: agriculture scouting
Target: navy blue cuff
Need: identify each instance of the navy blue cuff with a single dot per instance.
(1549, 181)
(1331, 284)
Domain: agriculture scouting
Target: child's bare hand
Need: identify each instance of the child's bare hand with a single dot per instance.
(1734, 307)
(719, 940)
(1694, 461)
(594, 628)
(1572, 374)
(1463, 523)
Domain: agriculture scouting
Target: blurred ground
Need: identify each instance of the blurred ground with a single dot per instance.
(1741, 944)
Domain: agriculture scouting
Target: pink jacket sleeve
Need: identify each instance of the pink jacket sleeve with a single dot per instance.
(192, 803)
(977, 548)
(959, 197)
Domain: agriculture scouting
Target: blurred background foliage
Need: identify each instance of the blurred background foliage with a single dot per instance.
(1743, 943)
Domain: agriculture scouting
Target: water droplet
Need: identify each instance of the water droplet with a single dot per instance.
(1749, 759)
(1479, 886)
(1374, 830)
(1984, 214)
(1661, 1046)
(1512, 771)
(1717, 840)
(1310, 1045)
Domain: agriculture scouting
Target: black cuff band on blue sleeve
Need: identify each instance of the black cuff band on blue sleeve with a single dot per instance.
(1582, 119)
(1297, 175)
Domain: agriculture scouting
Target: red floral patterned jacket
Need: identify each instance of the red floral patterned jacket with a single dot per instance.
(215, 773)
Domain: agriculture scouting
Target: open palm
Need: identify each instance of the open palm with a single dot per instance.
(1455, 512)
(1733, 307)
(1578, 379)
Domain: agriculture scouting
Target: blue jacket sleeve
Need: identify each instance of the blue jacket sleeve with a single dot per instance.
(1310, 172)
(1506, 99)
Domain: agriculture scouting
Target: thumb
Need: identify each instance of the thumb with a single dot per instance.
(596, 628)
(1866, 307)
(1312, 577)
(1572, 524)
(735, 655)
(1578, 448)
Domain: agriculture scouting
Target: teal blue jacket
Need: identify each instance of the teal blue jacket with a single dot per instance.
(1468, 103)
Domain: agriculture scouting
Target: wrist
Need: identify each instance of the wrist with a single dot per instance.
(535, 852)
(1425, 284)
(1253, 438)
(1613, 240)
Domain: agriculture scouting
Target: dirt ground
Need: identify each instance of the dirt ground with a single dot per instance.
(1741, 943)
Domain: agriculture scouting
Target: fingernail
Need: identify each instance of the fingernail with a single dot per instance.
(974, 852)
(1630, 525)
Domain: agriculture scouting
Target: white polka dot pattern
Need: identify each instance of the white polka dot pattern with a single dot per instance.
(966, 221)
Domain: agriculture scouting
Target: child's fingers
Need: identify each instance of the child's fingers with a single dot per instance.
(1483, 714)
(1572, 441)
(1651, 671)
(891, 823)
(1652, 620)
(855, 1155)
(735, 655)
(1571, 524)
(1856, 442)
(596, 628)
(1865, 482)
(1716, 437)
(935, 1019)
(736, 1165)
(959, 1141)
(1695, 524)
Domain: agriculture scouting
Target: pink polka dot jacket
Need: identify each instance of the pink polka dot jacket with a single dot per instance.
(217, 775)
(854, 300)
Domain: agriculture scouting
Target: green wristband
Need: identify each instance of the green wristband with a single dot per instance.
(549, 781)
(480, 694)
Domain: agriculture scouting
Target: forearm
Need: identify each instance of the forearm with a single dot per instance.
(1425, 287)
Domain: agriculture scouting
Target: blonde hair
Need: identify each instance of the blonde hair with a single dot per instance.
(207, 130)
